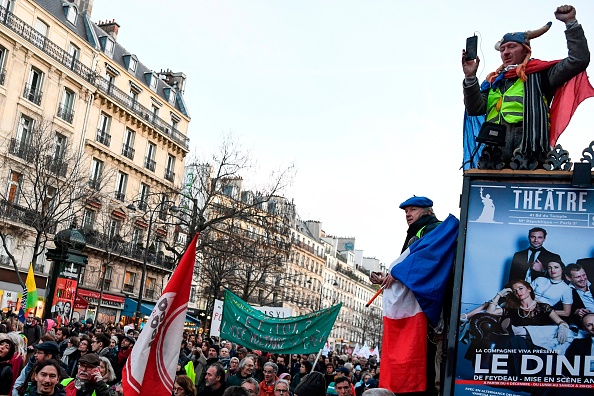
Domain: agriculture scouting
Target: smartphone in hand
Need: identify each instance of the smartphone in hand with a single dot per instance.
(471, 47)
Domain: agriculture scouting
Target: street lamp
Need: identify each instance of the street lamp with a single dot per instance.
(160, 205)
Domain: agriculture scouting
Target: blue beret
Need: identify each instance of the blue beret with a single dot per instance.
(419, 202)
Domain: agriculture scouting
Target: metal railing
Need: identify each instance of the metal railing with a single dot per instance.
(27, 32)
(120, 196)
(150, 164)
(66, 113)
(56, 166)
(169, 175)
(29, 217)
(128, 151)
(95, 184)
(103, 137)
(2, 76)
(128, 288)
(33, 94)
(21, 149)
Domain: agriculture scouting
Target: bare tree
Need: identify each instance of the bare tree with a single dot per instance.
(243, 234)
(46, 185)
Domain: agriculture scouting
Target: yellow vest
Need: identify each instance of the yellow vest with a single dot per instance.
(509, 105)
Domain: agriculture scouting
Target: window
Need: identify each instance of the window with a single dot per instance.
(120, 193)
(66, 109)
(129, 281)
(108, 46)
(8, 4)
(164, 209)
(145, 190)
(60, 142)
(107, 282)
(149, 162)
(74, 53)
(114, 228)
(155, 111)
(88, 219)
(55, 161)
(96, 172)
(153, 82)
(33, 88)
(40, 34)
(137, 238)
(21, 145)
(171, 97)
(14, 187)
(170, 168)
(71, 13)
(3, 55)
(103, 135)
(49, 200)
(128, 144)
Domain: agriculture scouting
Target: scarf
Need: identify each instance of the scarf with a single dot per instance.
(416, 226)
(267, 390)
(123, 355)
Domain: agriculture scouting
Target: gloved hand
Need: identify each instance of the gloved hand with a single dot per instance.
(562, 333)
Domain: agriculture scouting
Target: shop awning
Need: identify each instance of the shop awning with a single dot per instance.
(80, 303)
(146, 309)
(105, 297)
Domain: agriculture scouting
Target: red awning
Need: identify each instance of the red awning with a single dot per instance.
(106, 296)
(80, 303)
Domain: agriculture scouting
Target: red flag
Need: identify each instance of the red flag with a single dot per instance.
(150, 369)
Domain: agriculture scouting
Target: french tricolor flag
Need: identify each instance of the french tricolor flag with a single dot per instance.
(421, 274)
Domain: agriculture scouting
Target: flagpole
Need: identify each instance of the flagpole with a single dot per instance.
(317, 358)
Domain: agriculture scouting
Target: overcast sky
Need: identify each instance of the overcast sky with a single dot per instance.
(364, 97)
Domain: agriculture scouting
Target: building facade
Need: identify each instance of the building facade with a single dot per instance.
(125, 129)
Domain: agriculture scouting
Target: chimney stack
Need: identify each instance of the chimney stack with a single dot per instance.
(110, 27)
(85, 7)
(176, 80)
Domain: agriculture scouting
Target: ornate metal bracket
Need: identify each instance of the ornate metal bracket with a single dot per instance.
(491, 158)
(558, 159)
(588, 155)
(520, 161)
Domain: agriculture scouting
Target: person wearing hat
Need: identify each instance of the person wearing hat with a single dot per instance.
(89, 380)
(313, 384)
(421, 221)
(126, 344)
(43, 351)
(518, 94)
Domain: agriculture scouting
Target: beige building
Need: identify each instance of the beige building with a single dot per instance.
(124, 123)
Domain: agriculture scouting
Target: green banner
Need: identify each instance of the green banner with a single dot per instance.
(297, 334)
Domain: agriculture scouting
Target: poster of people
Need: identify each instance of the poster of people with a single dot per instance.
(63, 300)
(527, 312)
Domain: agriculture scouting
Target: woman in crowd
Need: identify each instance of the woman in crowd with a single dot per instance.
(233, 367)
(184, 386)
(7, 349)
(20, 353)
(552, 289)
(83, 349)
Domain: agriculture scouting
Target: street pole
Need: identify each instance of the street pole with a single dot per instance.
(144, 261)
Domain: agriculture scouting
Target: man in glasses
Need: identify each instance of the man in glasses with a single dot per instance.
(251, 385)
(88, 379)
(270, 378)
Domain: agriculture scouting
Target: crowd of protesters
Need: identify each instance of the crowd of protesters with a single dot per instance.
(84, 359)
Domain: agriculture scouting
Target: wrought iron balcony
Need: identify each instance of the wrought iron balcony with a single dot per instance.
(95, 184)
(128, 288)
(66, 113)
(128, 151)
(103, 137)
(15, 212)
(33, 94)
(142, 205)
(169, 175)
(150, 164)
(56, 166)
(120, 196)
(27, 32)
(2, 76)
(21, 149)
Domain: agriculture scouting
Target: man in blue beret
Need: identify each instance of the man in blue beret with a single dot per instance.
(421, 220)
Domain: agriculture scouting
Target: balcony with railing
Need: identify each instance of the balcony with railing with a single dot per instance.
(50, 48)
(21, 149)
(128, 151)
(150, 164)
(66, 113)
(33, 94)
(141, 111)
(95, 184)
(2, 76)
(103, 137)
(120, 196)
(169, 175)
(20, 214)
(56, 166)
(128, 288)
